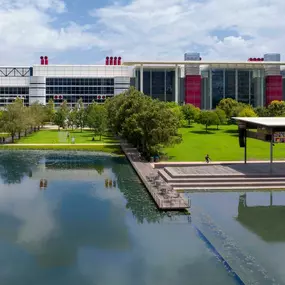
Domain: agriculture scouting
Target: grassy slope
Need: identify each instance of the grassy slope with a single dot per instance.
(221, 145)
(54, 136)
(103, 148)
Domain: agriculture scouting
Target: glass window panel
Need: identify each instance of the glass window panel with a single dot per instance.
(217, 86)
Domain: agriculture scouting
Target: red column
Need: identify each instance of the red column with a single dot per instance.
(273, 88)
(193, 90)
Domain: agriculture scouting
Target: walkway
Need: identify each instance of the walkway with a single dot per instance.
(170, 200)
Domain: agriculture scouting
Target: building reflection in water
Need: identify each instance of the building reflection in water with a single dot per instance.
(265, 221)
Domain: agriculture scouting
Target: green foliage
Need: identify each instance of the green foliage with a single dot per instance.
(208, 118)
(80, 114)
(276, 108)
(228, 105)
(261, 112)
(247, 112)
(61, 115)
(148, 124)
(50, 111)
(190, 112)
(97, 119)
(222, 117)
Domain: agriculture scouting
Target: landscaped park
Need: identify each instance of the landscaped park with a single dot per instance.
(166, 130)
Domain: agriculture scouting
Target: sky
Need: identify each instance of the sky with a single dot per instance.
(86, 31)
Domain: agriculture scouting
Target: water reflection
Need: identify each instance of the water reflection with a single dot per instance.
(265, 221)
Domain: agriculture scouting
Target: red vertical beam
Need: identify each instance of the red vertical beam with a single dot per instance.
(107, 60)
(193, 90)
(273, 88)
(115, 60)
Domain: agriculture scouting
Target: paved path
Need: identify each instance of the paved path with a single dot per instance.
(60, 144)
(163, 164)
(168, 201)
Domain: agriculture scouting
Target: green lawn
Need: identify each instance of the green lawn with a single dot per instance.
(221, 145)
(54, 136)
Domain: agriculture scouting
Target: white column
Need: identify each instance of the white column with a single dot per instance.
(176, 83)
(141, 78)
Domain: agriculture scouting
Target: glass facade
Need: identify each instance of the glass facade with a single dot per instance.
(230, 83)
(217, 86)
(159, 84)
(245, 85)
(72, 89)
(9, 94)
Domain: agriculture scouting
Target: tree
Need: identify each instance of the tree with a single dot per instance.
(61, 114)
(50, 110)
(97, 119)
(276, 108)
(80, 114)
(261, 112)
(222, 117)
(190, 112)
(227, 105)
(12, 117)
(146, 123)
(71, 118)
(38, 114)
(208, 118)
(247, 112)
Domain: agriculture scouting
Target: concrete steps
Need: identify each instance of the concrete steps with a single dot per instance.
(222, 182)
(226, 175)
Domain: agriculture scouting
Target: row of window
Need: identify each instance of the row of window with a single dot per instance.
(74, 99)
(80, 90)
(14, 90)
(80, 81)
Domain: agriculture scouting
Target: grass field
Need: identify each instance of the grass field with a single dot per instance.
(58, 137)
(114, 149)
(221, 145)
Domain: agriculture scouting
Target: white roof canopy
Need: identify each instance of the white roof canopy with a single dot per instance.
(265, 121)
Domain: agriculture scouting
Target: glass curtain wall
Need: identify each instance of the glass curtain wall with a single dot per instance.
(244, 86)
(230, 83)
(217, 86)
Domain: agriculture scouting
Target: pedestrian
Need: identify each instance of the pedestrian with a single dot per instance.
(207, 158)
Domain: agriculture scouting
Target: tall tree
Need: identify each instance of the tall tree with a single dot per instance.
(61, 114)
(228, 105)
(97, 119)
(50, 110)
(190, 112)
(222, 117)
(12, 117)
(80, 114)
(208, 118)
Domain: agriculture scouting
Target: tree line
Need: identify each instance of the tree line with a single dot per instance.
(148, 124)
(17, 119)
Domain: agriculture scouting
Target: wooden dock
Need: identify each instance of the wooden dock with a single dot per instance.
(170, 200)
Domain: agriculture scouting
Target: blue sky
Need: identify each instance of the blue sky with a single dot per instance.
(84, 32)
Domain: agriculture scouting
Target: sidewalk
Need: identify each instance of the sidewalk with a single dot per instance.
(163, 164)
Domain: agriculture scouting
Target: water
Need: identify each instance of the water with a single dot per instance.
(95, 224)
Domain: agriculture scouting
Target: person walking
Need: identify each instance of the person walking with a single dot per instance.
(207, 158)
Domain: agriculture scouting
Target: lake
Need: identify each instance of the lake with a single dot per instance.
(82, 218)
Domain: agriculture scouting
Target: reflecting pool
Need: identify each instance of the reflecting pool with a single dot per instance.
(81, 218)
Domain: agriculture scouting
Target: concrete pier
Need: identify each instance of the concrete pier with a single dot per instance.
(172, 200)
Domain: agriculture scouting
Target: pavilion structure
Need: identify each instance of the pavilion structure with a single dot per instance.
(269, 129)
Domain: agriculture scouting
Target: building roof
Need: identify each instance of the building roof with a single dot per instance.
(265, 121)
(213, 64)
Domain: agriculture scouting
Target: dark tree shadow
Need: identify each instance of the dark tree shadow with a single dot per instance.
(231, 131)
(204, 132)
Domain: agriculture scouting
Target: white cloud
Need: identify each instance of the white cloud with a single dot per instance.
(26, 29)
(142, 29)
(166, 29)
